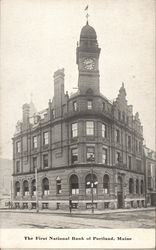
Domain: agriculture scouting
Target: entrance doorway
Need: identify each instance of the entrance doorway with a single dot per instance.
(120, 193)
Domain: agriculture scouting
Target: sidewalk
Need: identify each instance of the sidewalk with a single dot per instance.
(77, 212)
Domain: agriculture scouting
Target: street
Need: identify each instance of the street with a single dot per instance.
(129, 219)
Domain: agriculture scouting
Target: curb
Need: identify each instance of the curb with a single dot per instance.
(77, 213)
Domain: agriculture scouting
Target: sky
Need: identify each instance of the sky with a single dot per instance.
(40, 36)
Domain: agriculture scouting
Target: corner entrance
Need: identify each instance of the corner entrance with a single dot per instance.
(120, 193)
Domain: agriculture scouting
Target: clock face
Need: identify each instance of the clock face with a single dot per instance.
(89, 63)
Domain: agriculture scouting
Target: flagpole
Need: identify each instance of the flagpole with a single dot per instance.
(87, 15)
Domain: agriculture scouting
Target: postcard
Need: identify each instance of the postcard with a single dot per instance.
(77, 131)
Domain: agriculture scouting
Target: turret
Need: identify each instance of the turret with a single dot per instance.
(87, 58)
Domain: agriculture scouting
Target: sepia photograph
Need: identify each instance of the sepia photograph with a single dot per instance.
(77, 124)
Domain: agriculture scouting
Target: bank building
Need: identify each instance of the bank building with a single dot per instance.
(82, 148)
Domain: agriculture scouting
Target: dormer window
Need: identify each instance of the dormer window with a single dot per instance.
(75, 106)
(89, 104)
(45, 138)
(18, 147)
(17, 166)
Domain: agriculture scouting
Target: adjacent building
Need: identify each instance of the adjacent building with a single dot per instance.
(5, 182)
(150, 167)
(85, 147)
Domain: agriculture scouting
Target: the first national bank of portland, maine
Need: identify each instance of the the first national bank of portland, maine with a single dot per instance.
(84, 148)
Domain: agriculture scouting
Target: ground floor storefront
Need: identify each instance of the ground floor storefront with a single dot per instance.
(82, 187)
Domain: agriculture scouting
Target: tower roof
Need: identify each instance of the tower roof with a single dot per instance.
(88, 32)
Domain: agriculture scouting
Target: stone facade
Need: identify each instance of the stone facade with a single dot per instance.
(85, 148)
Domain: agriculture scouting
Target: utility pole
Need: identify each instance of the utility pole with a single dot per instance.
(11, 194)
(37, 208)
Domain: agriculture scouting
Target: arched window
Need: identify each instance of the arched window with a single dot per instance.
(91, 182)
(25, 188)
(142, 187)
(106, 184)
(45, 186)
(137, 186)
(17, 188)
(33, 187)
(74, 184)
(58, 185)
(131, 186)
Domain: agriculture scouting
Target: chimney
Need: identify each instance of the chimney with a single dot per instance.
(58, 91)
(26, 109)
(59, 81)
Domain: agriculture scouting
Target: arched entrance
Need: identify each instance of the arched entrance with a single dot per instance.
(120, 192)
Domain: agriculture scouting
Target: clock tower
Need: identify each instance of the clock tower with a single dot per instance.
(87, 58)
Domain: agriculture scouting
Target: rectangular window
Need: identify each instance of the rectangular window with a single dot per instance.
(58, 186)
(129, 142)
(104, 156)
(104, 131)
(118, 157)
(117, 136)
(106, 205)
(45, 138)
(45, 205)
(129, 162)
(89, 104)
(18, 147)
(89, 205)
(150, 182)
(90, 154)
(138, 165)
(74, 155)
(34, 163)
(45, 161)
(35, 142)
(90, 128)
(75, 106)
(136, 145)
(149, 170)
(74, 131)
(17, 166)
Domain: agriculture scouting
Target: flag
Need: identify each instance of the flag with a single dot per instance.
(86, 7)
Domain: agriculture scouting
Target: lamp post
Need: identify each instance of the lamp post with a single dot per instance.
(37, 208)
(91, 182)
(92, 185)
